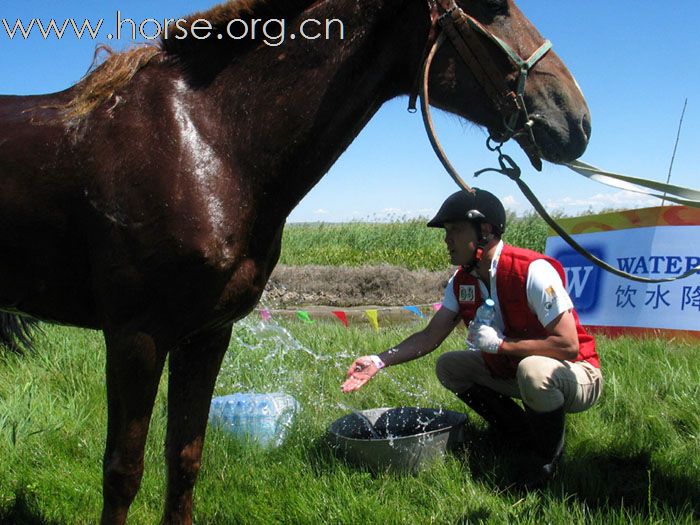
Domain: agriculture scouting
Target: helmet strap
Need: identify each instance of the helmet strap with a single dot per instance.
(478, 254)
(481, 243)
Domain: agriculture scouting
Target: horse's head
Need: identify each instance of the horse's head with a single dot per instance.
(499, 40)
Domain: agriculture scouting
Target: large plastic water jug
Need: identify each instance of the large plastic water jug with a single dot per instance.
(261, 417)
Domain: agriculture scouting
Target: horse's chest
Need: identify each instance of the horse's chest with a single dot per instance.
(247, 280)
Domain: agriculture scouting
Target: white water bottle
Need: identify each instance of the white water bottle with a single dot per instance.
(485, 314)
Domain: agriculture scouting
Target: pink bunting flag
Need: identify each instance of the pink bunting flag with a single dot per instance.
(437, 306)
(265, 315)
(341, 315)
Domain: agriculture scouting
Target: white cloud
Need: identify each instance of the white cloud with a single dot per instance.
(600, 201)
(391, 214)
(510, 202)
(321, 211)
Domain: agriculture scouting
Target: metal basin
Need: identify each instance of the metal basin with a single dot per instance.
(400, 440)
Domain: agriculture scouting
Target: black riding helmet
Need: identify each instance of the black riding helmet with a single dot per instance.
(477, 207)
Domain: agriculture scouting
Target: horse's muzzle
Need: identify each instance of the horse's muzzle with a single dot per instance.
(562, 141)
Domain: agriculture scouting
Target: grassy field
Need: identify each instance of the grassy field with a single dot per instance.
(401, 243)
(634, 458)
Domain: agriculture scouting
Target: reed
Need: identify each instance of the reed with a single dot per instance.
(402, 242)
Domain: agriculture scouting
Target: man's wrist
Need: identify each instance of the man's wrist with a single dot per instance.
(378, 363)
(508, 346)
(500, 347)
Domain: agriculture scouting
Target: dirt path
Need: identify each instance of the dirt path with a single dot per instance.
(341, 286)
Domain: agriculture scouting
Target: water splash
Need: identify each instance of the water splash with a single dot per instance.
(265, 356)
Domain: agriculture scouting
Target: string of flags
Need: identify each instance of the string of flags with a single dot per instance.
(371, 314)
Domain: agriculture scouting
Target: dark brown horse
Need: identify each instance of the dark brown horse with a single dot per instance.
(149, 199)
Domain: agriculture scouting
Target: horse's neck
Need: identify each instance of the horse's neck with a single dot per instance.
(296, 107)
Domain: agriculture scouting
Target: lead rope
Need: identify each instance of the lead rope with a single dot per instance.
(510, 169)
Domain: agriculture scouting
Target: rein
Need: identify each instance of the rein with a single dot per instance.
(509, 168)
(466, 35)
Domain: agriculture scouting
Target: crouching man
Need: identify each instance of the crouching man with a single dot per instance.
(535, 349)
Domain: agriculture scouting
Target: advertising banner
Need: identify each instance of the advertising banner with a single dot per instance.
(651, 242)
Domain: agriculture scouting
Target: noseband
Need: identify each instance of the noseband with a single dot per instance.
(467, 36)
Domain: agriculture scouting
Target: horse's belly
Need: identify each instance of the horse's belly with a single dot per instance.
(57, 296)
(45, 273)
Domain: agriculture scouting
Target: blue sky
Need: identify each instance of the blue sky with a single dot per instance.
(636, 62)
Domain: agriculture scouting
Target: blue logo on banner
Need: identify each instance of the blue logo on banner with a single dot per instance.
(582, 277)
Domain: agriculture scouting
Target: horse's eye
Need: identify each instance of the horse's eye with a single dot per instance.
(485, 10)
(496, 7)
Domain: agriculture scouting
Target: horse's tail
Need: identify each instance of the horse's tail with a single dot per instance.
(16, 332)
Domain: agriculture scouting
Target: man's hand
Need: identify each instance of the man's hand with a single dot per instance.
(361, 371)
(485, 338)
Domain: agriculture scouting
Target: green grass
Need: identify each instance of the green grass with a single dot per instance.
(407, 243)
(634, 458)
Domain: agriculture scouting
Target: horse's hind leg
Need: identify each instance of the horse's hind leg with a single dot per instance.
(134, 366)
(193, 368)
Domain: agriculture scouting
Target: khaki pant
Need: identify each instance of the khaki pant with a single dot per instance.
(544, 384)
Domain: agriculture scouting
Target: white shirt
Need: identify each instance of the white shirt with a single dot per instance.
(546, 295)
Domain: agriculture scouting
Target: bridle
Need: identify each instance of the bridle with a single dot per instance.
(467, 35)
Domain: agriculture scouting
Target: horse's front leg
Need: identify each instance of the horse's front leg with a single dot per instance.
(193, 368)
(134, 366)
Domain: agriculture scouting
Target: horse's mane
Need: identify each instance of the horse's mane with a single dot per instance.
(102, 81)
(201, 59)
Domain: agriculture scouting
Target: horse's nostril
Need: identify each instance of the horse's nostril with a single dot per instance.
(586, 125)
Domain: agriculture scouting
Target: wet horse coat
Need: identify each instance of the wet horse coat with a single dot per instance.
(149, 200)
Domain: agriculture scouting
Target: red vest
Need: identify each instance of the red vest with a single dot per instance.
(520, 322)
